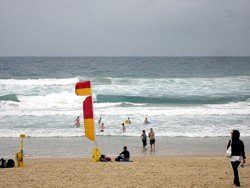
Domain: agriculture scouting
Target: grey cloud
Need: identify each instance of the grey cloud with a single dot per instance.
(124, 28)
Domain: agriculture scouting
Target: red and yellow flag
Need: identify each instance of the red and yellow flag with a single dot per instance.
(89, 118)
(84, 89)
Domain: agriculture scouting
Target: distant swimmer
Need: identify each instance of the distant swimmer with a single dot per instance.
(77, 122)
(101, 127)
(128, 121)
(99, 121)
(146, 121)
(123, 128)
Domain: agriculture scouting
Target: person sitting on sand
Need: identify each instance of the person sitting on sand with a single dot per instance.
(123, 156)
(101, 127)
(77, 122)
(123, 128)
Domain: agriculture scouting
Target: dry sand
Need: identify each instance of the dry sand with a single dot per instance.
(178, 171)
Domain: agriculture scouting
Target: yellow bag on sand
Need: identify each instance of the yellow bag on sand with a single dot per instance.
(19, 158)
(96, 155)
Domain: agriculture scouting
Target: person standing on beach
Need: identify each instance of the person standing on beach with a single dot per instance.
(151, 136)
(238, 154)
(144, 138)
(77, 122)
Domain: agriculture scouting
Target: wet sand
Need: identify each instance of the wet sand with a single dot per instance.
(79, 147)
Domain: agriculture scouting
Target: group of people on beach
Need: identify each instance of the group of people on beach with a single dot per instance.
(235, 145)
(151, 136)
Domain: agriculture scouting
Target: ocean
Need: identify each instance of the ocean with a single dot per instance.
(180, 96)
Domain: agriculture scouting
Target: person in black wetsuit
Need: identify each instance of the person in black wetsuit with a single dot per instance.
(238, 154)
(123, 156)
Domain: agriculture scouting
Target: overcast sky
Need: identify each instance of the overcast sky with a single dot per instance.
(124, 27)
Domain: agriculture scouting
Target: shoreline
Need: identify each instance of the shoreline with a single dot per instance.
(78, 147)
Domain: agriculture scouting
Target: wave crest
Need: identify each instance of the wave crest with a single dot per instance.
(11, 97)
(172, 99)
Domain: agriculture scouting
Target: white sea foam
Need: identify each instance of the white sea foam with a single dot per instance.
(40, 81)
(48, 107)
(132, 86)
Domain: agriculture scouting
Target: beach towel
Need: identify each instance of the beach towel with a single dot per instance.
(126, 161)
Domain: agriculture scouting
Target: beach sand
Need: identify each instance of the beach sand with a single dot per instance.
(144, 171)
(177, 162)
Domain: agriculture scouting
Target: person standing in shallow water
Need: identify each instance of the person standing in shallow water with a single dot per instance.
(128, 121)
(144, 138)
(146, 121)
(77, 122)
(151, 136)
(101, 127)
(123, 128)
(99, 121)
(238, 154)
